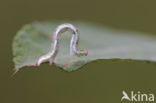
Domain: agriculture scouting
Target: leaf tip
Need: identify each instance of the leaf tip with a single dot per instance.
(15, 70)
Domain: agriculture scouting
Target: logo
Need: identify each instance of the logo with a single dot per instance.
(138, 96)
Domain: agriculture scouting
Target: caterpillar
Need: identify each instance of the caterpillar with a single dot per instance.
(50, 57)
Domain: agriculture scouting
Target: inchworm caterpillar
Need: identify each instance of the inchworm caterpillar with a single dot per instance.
(55, 45)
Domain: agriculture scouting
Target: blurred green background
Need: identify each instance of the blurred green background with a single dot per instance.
(96, 82)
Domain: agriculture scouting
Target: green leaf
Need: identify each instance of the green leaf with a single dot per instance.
(34, 40)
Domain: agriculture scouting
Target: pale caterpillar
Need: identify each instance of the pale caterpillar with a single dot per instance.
(55, 45)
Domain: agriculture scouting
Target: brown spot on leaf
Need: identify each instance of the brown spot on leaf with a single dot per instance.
(50, 37)
(85, 51)
(65, 65)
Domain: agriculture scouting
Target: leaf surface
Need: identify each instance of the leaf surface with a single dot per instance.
(34, 40)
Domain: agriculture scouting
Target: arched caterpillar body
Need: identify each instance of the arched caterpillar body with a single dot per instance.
(55, 45)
